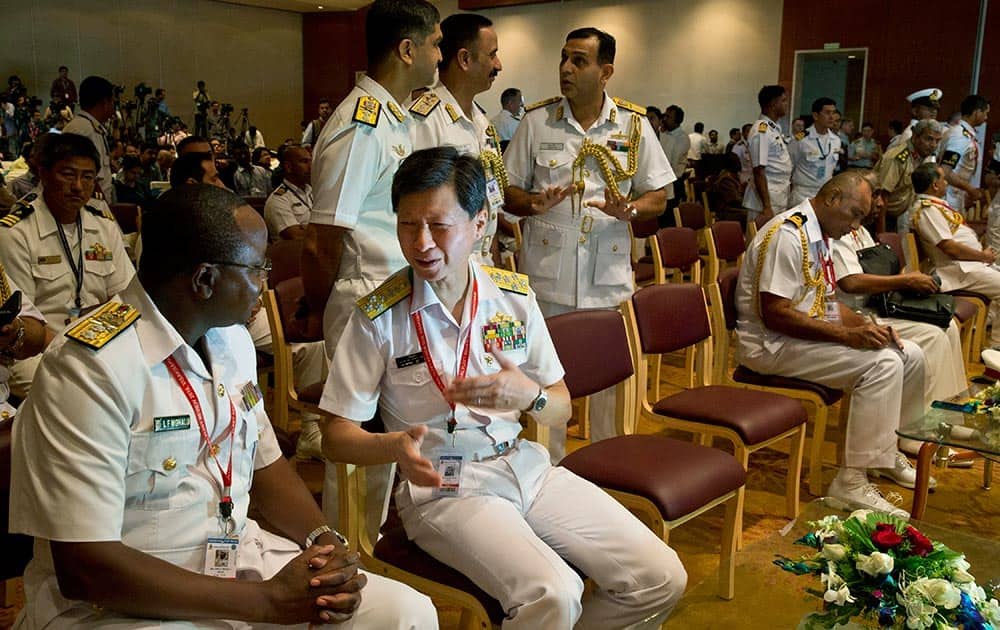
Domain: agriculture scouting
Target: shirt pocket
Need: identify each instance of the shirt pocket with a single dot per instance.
(410, 391)
(158, 474)
(545, 244)
(100, 268)
(553, 168)
(48, 273)
(612, 265)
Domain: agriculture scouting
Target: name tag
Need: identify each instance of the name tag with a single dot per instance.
(551, 146)
(171, 423)
(221, 555)
(49, 260)
(411, 359)
(449, 466)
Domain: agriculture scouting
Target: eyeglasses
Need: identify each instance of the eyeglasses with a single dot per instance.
(263, 270)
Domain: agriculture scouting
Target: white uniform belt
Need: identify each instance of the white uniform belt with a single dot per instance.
(493, 451)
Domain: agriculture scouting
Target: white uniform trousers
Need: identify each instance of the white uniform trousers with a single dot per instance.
(602, 403)
(887, 388)
(22, 373)
(385, 604)
(514, 532)
(944, 366)
(993, 225)
(985, 280)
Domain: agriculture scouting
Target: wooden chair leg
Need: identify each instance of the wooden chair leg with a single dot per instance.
(470, 621)
(727, 554)
(816, 451)
(792, 482)
(742, 455)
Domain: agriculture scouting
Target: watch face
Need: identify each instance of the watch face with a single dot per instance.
(540, 403)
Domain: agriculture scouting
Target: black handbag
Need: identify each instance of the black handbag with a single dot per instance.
(936, 308)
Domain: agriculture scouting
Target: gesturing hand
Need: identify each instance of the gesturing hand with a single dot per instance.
(509, 389)
(614, 205)
(541, 202)
(415, 467)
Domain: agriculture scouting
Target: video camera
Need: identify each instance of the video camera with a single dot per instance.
(142, 91)
(227, 108)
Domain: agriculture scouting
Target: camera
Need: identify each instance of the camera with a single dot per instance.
(142, 91)
(227, 108)
(34, 102)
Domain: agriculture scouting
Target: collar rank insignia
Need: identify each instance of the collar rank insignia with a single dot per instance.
(396, 112)
(424, 105)
(103, 325)
(762, 127)
(508, 280)
(388, 294)
(367, 110)
(452, 112)
(904, 155)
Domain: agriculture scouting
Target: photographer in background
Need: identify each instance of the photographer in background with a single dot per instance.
(63, 90)
(96, 109)
(201, 103)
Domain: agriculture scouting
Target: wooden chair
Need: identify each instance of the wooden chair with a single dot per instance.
(127, 216)
(646, 268)
(663, 481)
(286, 260)
(679, 252)
(15, 549)
(513, 230)
(722, 299)
(666, 318)
(279, 305)
(726, 246)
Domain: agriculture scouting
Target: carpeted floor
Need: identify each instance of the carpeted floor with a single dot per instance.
(960, 502)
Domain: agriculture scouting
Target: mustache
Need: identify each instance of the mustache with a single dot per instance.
(494, 73)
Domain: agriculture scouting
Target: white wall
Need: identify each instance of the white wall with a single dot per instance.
(249, 57)
(708, 56)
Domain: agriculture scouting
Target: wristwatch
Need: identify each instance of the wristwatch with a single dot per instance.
(538, 403)
(319, 531)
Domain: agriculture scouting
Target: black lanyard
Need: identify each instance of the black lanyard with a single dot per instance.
(822, 155)
(292, 190)
(77, 267)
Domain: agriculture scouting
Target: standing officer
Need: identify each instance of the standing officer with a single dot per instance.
(893, 173)
(767, 194)
(96, 109)
(580, 167)
(924, 105)
(448, 116)
(288, 208)
(65, 254)
(961, 155)
(814, 153)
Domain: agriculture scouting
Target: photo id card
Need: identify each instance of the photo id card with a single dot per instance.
(220, 557)
(449, 466)
(493, 193)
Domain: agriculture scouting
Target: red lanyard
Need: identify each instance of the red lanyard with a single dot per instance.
(226, 504)
(463, 365)
(826, 261)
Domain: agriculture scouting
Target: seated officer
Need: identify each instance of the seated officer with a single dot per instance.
(421, 350)
(64, 251)
(135, 457)
(953, 247)
(791, 323)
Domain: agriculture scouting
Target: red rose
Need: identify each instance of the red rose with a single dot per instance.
(885, 536)
(920, 545)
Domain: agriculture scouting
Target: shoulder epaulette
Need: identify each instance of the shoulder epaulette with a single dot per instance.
(762, 127)
(904, 155)
(104, 214)
(424, 105)
(926, 203)
(98, 194)
(508, 280)
(280, 190)
(800, 135)
(103, 325)
(367, 110)
(630, 106)
(481, 109)
(548, 101)
(389, 293)
(21, 210)
(797, 219)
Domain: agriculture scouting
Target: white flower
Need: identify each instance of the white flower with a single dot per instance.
(960, 563)
(919, 615)
(962, 576)
(991, 610)
(833, 552)
(861, 515)
(975, 592)
(840, 596)
(876, 564)
(941, 592)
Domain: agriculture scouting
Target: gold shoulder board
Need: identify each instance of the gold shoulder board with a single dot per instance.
(800, 135)
(280, 190)
(387, 294)
(548, 101)
(904, 155)
(367, 110)
(508, 280)
(21, 210)
(762, 127)
(798, 219)
(104, 214)
(424, 105)
(103, 325)
(630, 106)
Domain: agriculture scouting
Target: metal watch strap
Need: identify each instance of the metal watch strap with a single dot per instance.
(319, 531)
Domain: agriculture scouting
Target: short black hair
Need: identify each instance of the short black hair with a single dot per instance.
(822, 102)
(699, 127)
(129, 162)
(188, 225)
(189, 140)
(159, 91)
(653, 109)
(458, 31)
(429, 169)
(509, 95)
(733, 130)
(63, 146)
(257, 152)
(924, 176)
(896, 126)
(93, 90)
(606, 46)
(188, 166)
(61, 68)
(678, 113)
(973, 102)
(391, 21)
(767, 94)
(867, 124)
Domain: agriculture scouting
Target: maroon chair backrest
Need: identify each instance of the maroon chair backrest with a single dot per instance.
(670, 317)
(285, 258)
(692, 215)
(126, 215)
(644, 228)
(593, 349)
(728, 280)
(895, 241)
(678, 247)
(729, 241)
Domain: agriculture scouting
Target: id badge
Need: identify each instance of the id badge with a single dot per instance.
(821, 172)
(449, 466)
(831, 311)
(220, 557)
(493, 193)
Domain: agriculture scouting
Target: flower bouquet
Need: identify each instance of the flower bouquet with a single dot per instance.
(882, 571)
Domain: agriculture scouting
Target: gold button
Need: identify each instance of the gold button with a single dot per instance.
(169, 463)
(586, 172)
(545, 241)
(614, 248)
(493, 216)
(222, 391)
(553, 162)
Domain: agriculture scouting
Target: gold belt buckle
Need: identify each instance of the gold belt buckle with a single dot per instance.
(586, 225)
